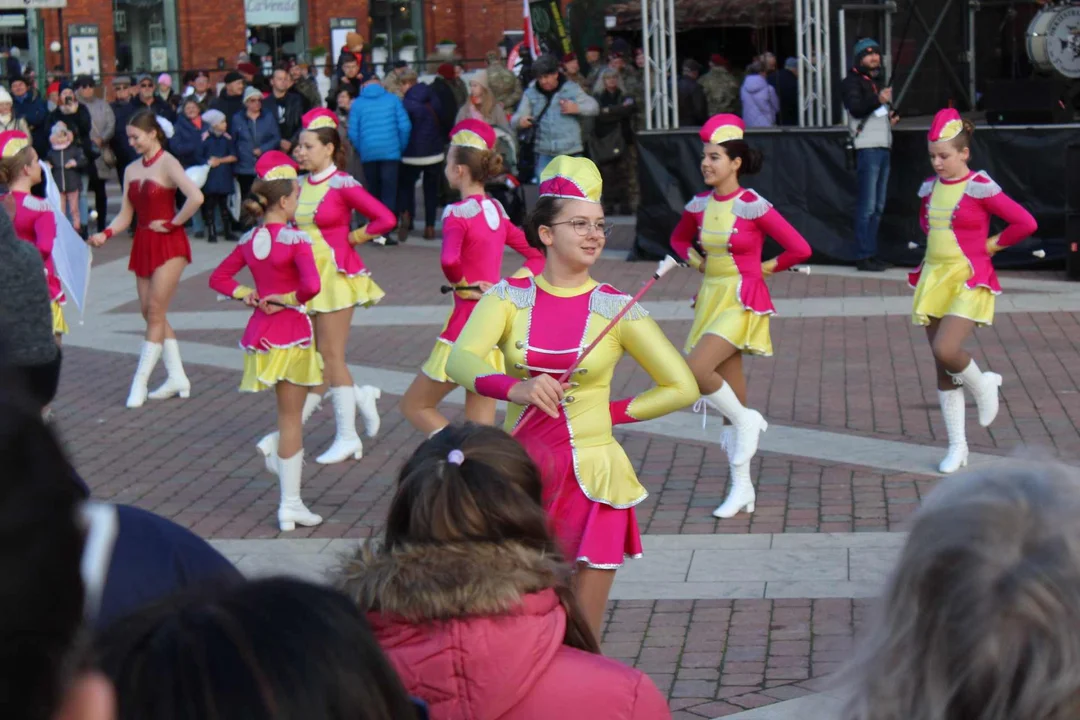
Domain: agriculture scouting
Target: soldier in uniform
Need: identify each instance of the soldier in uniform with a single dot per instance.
(721, 88)
(504, 84)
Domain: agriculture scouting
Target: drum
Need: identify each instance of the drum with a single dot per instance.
(1053, 40)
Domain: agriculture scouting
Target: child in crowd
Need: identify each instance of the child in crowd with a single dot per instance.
(979, 617)
(68, 163)
(219, 148)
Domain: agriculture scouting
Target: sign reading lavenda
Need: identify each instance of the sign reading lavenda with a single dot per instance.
(271, 12)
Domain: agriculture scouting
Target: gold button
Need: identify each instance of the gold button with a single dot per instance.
(519, 366)
(519, 345)
(569, 398)
(583, 371)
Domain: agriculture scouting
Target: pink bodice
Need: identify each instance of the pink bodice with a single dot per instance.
(289, 267)
(969, 221)
(325, 212)
(475, 233)
(35, 223)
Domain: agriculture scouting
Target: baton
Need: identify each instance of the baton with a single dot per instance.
(445, 289)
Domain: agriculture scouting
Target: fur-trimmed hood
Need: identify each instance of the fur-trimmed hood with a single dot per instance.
(439, 582)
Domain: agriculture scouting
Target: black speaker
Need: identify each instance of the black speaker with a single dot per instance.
(1036, 101)
(1072, 245)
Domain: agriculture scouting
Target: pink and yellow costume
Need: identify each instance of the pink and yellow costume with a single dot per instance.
(734, 301)
(590, 488)
(279, 346)
(327, 201)
(475, 232)
(35, 223)
(957, 276)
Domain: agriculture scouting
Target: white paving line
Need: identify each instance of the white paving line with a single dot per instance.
(820, 706)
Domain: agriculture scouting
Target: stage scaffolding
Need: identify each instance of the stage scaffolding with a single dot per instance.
(661, 64)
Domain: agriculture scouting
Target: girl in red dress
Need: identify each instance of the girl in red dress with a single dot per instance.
(159, 251)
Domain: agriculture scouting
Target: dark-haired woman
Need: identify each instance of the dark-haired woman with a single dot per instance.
(721, 233)
(469, 597)
(328, 198)
(273, 648)
(159, 252)
(279, 342)
(955, 285)
(475, 231)
(542, 325)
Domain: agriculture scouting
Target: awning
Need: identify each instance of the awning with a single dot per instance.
(698, 14)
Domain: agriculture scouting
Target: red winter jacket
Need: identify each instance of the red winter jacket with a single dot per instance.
(477, 632)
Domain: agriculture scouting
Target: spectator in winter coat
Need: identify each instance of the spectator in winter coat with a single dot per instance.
(166, 93)
(482, 104)
(448, 72)
(8, 119)
(447, 101)
(760, 103)
(693, 107)
(231, 100)
(68, 164)
(504, 84)
(612, 137)
(30, 107)
(350, 75)
(422, 157)
(473, 608)
(379, 130)
(122, 111)
(559, 130)
(219, 152)
(256, 132)
(186, 142)
(200, 90)
(304, 84)
(286, 106)
(102, 130)
(721, 88)
(146, 97)
(787, 88)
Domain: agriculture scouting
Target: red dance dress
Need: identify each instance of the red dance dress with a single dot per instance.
(150, 250)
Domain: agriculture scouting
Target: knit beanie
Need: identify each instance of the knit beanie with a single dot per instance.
(480, 77)
(863, 45)
(447, 71)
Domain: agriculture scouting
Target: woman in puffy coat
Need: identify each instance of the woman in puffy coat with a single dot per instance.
(423, 156)
(469, 599)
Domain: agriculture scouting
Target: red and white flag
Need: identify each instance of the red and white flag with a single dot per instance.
(530, 37)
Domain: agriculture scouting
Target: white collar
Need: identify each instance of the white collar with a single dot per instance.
(320, 176)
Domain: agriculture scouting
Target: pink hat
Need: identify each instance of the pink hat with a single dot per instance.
(319, 118)
(275, 165)
(721, 128)
(474, 134)
(12, 142)
(164, 79)
(947, 125)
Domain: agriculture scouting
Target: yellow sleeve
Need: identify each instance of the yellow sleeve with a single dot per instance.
(487, 327)
(242, 291)
(290, 298)
(675, 388)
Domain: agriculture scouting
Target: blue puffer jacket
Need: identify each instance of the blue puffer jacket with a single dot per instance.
(261, 133)
(220, 179)
(186, 142)
(427, 137)
(557, 134)
(379, 127)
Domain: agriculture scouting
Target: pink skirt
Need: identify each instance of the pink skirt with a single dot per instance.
(588, 532)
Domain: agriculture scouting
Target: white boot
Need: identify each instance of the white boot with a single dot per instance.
(741, 494)
(291, 510)
(369, 411)
(346, 442)
(984, 389)
(267, 447)
(748, 424)
(177, 382)
(148, 358)
(952, 409)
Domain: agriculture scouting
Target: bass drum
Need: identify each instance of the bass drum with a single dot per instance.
(1053, 40)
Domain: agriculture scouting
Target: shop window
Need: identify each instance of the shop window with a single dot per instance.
(400, 23)
(145, 35)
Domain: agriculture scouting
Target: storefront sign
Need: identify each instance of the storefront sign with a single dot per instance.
(85, 53)
(547, 22)
(271, 12)
(32, 4)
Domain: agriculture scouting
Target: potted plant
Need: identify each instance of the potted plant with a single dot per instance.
(407, 46)
(445, 48)
(379, 53)
(318, 55)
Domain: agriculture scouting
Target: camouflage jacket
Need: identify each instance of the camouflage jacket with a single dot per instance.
(721, 91)
(504, 85)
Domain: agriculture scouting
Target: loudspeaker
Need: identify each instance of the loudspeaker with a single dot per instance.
(1072, 245)
(1036, 101)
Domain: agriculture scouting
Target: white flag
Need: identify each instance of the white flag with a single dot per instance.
(70, 253)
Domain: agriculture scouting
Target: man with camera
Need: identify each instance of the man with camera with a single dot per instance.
(870, 119)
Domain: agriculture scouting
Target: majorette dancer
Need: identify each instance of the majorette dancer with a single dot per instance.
(542, 325)
(955, 285)
(732, 310)
(159, 252)
(34, 221)
(475, 231)
(328, 198)
(279, 342)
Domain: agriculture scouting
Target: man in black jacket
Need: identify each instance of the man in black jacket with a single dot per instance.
(147, 97)
(870, 121)
(123, 110)
(286, 106)
(693, 107)
(231, 99)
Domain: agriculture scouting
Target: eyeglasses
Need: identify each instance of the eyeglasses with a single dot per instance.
(584, 228)
(146, 85)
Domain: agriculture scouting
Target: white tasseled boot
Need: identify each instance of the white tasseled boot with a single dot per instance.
(748, 424)
(148, 358)
(267, 447)
(984, 389)
(177, 382)
(291, 510)
(346, 442)
(369, 411)
(741, 495)
(952, 409)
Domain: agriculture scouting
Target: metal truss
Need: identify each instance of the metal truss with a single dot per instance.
(661, 69)
(812, 21)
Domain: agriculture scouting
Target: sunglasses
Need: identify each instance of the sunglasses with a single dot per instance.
(146, 85)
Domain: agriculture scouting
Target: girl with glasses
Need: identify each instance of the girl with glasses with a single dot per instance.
(542, 325)
(721, 234)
